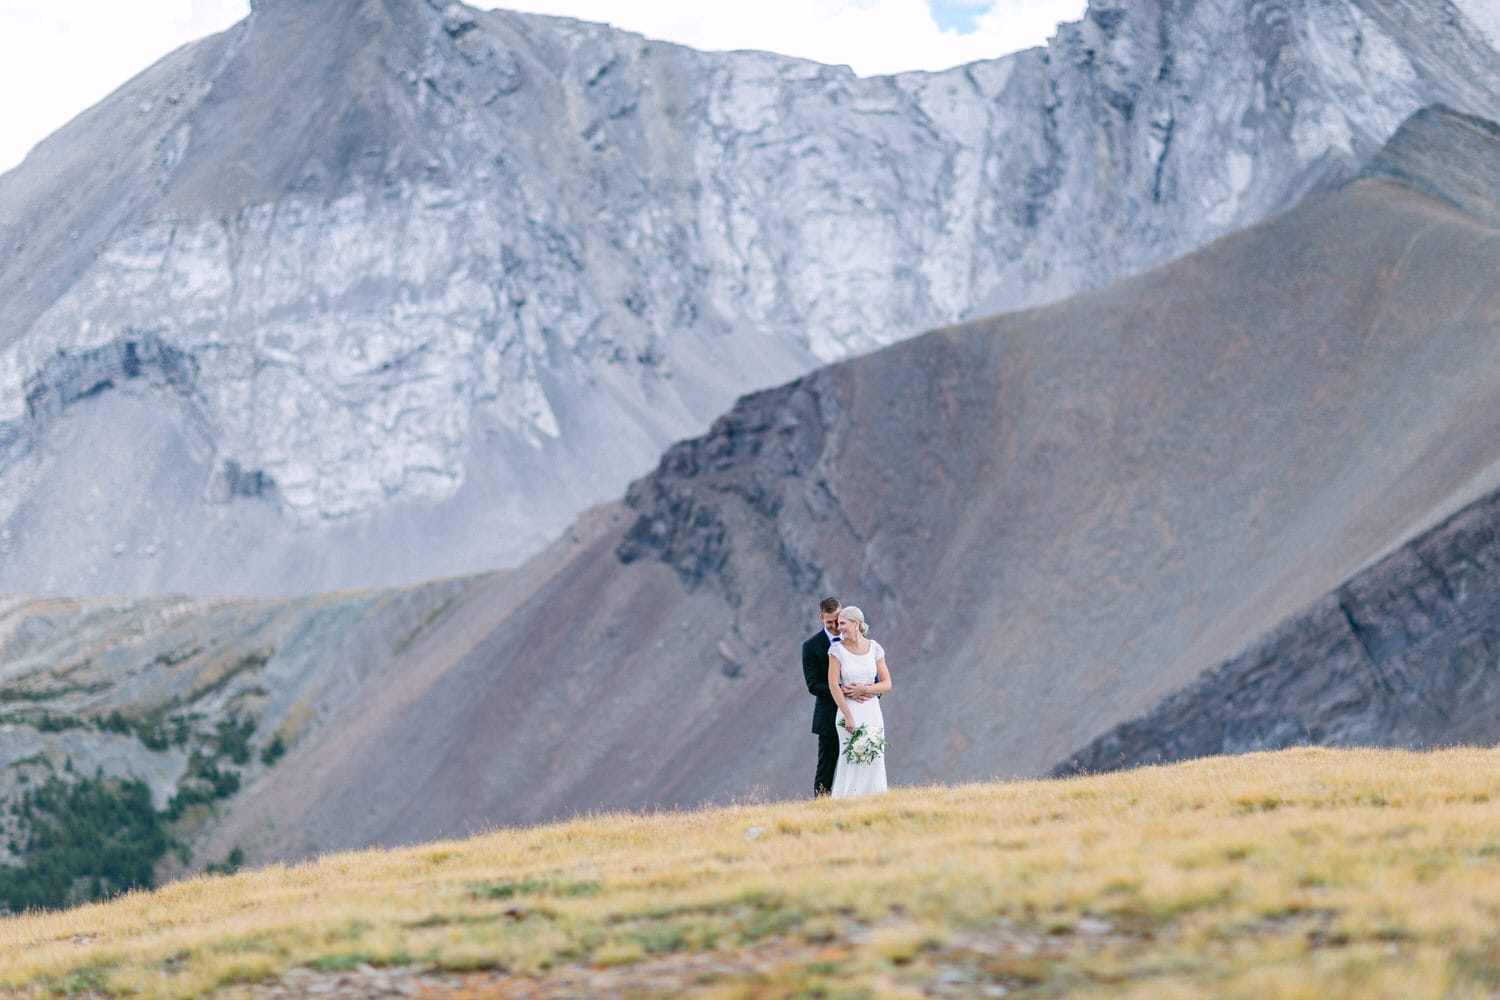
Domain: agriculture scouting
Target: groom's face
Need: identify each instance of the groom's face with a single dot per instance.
(831, 621)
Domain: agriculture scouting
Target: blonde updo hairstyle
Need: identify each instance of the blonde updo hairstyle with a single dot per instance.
(854, 614)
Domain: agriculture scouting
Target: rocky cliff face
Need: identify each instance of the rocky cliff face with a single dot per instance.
(432, 279)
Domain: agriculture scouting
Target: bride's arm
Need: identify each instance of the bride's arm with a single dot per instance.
(882, 678)
(835, 689)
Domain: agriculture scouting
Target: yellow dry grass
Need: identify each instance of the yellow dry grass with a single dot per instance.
(1308, 873)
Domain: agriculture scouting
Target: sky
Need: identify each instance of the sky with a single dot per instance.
(58, 57)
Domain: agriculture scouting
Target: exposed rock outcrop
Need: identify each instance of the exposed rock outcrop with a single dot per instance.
(1445, 154)
(65, 379)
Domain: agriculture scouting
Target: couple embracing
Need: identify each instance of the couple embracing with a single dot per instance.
(846, 673)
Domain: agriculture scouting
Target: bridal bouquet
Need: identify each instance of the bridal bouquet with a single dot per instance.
(866, 746)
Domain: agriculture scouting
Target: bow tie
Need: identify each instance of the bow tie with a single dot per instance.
(837, 638)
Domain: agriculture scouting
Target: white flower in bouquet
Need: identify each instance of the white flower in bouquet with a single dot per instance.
(866, 746)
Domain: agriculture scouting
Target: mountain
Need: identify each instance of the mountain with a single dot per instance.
(361, 292)
(1054, 519)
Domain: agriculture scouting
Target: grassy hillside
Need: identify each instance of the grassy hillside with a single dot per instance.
(1307, 873)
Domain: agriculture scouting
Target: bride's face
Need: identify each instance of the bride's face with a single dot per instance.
(848, 628)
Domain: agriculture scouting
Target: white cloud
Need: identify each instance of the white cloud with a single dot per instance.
(871, 36)
(57, 57)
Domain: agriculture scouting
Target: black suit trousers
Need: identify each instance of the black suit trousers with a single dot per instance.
(828, 758)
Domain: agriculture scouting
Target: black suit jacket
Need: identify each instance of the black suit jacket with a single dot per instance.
(815, 673)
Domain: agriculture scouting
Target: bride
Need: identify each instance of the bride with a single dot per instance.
(856, 674)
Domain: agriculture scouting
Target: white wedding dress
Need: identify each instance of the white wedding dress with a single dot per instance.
(859, 779)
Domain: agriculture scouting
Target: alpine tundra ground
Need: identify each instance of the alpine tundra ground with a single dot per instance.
(1308, 873)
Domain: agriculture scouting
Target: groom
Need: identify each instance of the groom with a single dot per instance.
(825, 709)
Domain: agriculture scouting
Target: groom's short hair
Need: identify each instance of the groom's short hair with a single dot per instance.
(829, 605)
